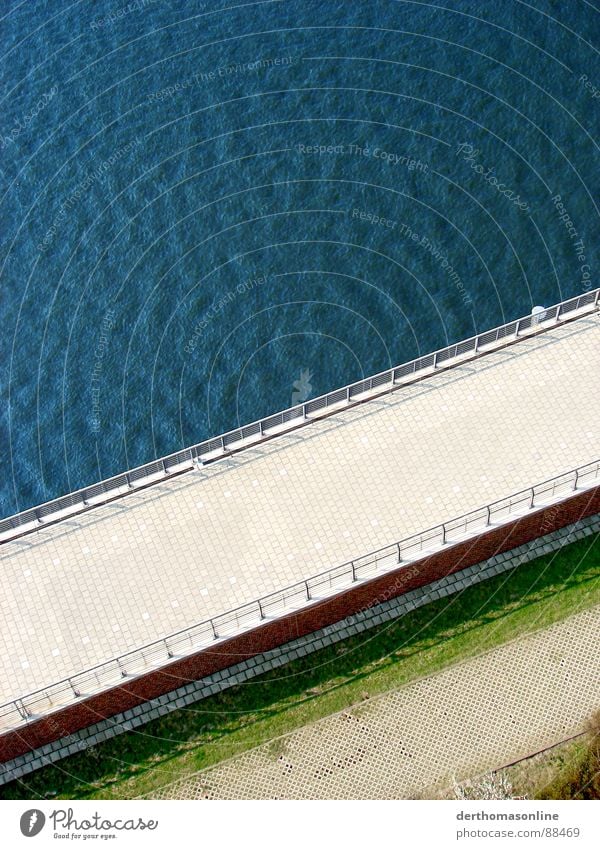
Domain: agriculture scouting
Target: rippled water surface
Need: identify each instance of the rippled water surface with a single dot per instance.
(210, 211)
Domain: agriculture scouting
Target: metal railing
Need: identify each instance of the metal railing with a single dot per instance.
(216, 447)
(193, 639)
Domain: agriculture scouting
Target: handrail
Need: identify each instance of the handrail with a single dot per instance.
(191, 639)
(219, 446)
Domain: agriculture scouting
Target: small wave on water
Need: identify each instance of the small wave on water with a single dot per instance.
(212, 210)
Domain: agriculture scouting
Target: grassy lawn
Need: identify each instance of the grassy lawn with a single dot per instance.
(448, 631)
(579, 775)
(535, 777)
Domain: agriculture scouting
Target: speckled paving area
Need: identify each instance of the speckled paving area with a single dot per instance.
(471, 717)
(105, 582)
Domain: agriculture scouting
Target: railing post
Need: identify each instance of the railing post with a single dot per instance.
(435, 360)
(353, 571)
(517, 325)
(169, 652)
(20, 706)
(532, 499)
(260, 609)
(76, 692)
(576, 479)
(558, 311)
(303, 411)
(443, 534)
(489, 515)
(399, 553)
(307, 590)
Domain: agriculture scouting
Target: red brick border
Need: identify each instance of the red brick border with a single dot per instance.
(275, 633)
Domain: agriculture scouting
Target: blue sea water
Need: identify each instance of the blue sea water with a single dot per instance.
(210, 209)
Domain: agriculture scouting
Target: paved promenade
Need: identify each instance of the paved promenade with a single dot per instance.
(159, 560)
(473, 717)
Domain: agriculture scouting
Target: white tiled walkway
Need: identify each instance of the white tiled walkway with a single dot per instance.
(157, 561)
